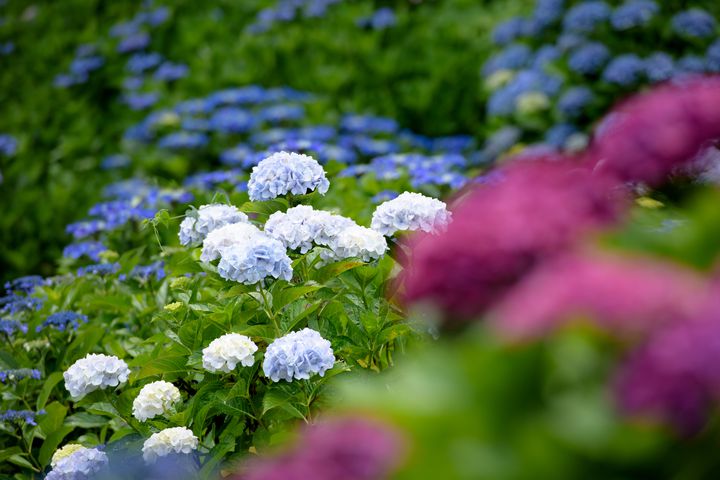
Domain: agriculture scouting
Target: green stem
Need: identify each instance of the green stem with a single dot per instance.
(268, 310)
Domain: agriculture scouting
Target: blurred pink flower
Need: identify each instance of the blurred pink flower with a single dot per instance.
(502, 229)
(675, 376)
(645, 138)
(624, 295)
(350, 448)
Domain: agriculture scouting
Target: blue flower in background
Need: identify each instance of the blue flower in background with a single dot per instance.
(691, 64)
(194, 106)
(8, 145)
(139, 62)
(17, 374)
(545, 55)
(298, 355)
(20, 416)
(91, 250)
(573, 102)
(124, 29)
(454, 143)
(513, 57)
(368, 124)
(624, 70)
(84, 65)
(503, 101)
(9, 327)
(169, 72)
(24, 284)
(63, 321)
(283, 112)
(659, 67)
(133, 83)
(384, 196)
(232, 120)
(558, 135)
(144, 273)
(183, 140)
(713, 57)
(634, 13)
(548, 12)
(509, 31)
(134, 42)
(140, 101)
(236, 155)
(589, 58)
(115, 161)
(210, 180)
(85, 228)
(584, 17)
(570, 41)
(100, 269)
(695, 23)
(381, 19)
(14, 303)
(7, 48)
(195, 124)
(155, 17)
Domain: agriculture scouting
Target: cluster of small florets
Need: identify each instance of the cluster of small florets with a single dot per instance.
(411, 211)
(16, 374)
(285, 173)
(255, 259)
(77, 463)
(156, 398)
(224, 353)
(63, 321)
(298, 355)
(357, 242)
(176, 440)
(95, 371)
(198, 223)
(302, 226)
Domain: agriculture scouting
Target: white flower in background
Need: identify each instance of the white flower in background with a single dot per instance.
(301, 226)
(80, 464)
(357, 241)
(168, 441)
(64, 452)
(224, 237)
(197, 224)
(411, 211)
(282, 173)
(252, 260)
(224, 353)
(156, 398)
(95, 371)
(298, 355)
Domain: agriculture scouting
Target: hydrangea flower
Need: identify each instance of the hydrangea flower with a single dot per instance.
(633, 13)
(558, 135)
(95, 371)
(357, 242)
(659, 67)
(63, 320)
(224, 353)
(298, 355)
(9, 327)
(176, 440)
(513, 57)
(695, 22)
(101, 269)
(92, 250)
(282, 173)
(156, 398)
(589, 58)
(572, 103)
(713, 57)
(584, 17)
(198, 223)
(224, 237)
(410, 211)
(17, 374)
(509, 31)
(65, 452)
(624, 70)
(301, 226)
(20, 416)
(251, 261)
(82, 464)
(8, 145)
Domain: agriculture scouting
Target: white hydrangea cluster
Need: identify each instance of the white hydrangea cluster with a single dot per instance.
(298, 355)
(168, 441)
(224, 237)
(81, 464)
(156, 398)
(301, 226)
(411, 211)
(224, 353)
(250, 261)
(198, 223)
(357, 241)
(282, 173)
(64, 452)
(95, 371)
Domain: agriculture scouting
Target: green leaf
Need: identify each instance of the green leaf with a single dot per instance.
(51, 444)
(328, 272)
(288, 295)
(47, 388)
(9, 452)
(53, 419)
(86, 420)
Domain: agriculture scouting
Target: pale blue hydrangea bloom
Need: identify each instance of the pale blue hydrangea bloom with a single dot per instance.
(694, 22)
(633, 13)
(198, 223)
(282, 173)
(302, 226)
(249, 262)
(95, 371)
(624, 70)
(411, 211)
(298, 355)
(356, 242)
(83, 464)
(659, 67)
(584, 17)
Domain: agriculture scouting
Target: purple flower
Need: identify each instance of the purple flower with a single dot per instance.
(134, 42)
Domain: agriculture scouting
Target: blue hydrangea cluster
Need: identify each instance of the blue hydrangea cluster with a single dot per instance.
(83, 464)
(589, 58)
(285, 11)
(634, 13)
(145, 273)
(285, 173)
(62, 321)
(85, 62)
(26, 417)
(26, 284)
(298, 355)
(100, 269)
(695, 23)
(586, 16)
(251, 262)
(17, 374)
(10, 327)
(380, 19)
(8, 145)
(14, 303)
(422, 170)
(91, 250)
(624, 70)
